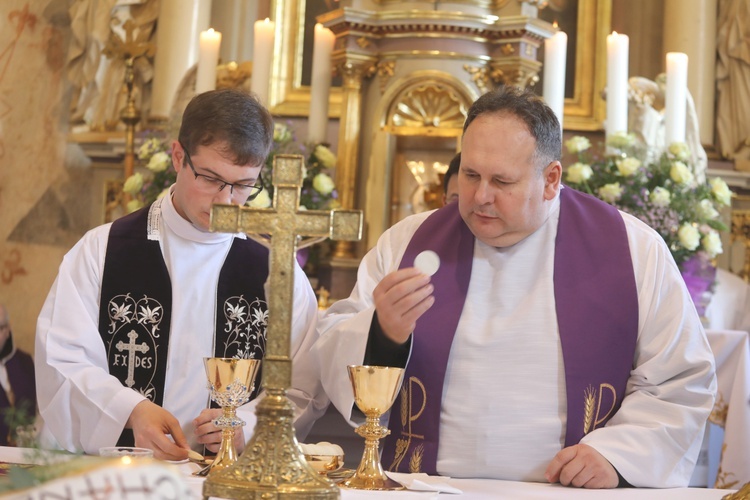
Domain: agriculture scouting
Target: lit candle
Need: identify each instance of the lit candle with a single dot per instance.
(675, 98)
(262, 58)
(320, 84)
(208, 59)
(617, 83)
(555, 54)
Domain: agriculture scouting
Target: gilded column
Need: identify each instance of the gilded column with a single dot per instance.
(353, 70)
(690, 27)
(180, 24)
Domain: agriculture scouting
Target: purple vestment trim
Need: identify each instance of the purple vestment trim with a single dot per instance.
(597, 310)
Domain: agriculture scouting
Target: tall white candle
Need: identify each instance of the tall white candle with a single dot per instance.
(555, 55)
(617, 83)
(320, 84)
(208, 59)
(675, 98)
(262, 58)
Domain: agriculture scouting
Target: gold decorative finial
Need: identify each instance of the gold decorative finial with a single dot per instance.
(129, 50)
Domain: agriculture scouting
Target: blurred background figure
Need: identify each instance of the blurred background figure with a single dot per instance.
(450, 180)
(18, 397)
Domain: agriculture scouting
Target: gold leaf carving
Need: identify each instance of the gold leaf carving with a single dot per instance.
(429, 105)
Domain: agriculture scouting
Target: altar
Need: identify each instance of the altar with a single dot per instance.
(473, 489)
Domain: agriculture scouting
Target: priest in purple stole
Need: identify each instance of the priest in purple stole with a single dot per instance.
(556, 341)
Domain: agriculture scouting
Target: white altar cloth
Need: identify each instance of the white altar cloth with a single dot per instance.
(472, 489)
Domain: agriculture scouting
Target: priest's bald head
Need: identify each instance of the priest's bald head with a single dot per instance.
(510, 166)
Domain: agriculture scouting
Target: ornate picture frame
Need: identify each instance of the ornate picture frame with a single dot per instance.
(295, 20)
(585, 109)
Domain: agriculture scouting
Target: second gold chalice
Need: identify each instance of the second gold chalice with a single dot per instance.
(231, 383)
(375, 389)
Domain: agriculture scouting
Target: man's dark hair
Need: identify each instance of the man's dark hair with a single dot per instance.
(452, 170)
(530, 109)
(232, 116)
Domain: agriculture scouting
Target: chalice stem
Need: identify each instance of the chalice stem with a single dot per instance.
(227, 453)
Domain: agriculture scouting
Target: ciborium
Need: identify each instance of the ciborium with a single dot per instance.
(231, 382)
(375, 389)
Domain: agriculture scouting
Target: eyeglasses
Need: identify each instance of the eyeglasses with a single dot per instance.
(210, 184)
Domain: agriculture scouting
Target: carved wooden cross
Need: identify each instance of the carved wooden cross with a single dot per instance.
(284, 222)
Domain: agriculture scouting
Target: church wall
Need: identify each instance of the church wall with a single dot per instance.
(37, 194)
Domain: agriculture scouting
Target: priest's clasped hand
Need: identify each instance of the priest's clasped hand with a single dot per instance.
(583, 467)
(209, 435)
(400, 299)
(152, 427)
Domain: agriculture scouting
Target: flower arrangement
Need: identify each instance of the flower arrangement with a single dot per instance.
(666, 194)
(318, 189)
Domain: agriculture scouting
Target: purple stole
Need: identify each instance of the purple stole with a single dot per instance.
(135, 308)
(597, 312)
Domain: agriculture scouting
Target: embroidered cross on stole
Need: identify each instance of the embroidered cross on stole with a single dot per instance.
(597, 312)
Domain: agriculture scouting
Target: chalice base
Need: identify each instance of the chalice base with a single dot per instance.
(385, 483)
(272, 465)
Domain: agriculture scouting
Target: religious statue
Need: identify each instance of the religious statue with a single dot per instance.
(732, 75)
(646, 120)
(97, 80)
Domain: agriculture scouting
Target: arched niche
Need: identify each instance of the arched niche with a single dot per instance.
(419, 118)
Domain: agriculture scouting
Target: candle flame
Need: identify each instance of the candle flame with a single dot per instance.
(554, 24)
(266, 20)
(210, 30)
(614, 33)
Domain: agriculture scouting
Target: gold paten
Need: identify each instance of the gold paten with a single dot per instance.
(231, 381)
(375, 389)
(272, 465)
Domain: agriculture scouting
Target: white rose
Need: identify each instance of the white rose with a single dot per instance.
(689, 236)
(628, 166)
(263, 200)
(712, 243)
(681, 174)
(134, 184)
(159, 162)
(148, 148)
(706, 210)
(133, 205)
(680, 151)
(323, 184)
(325, 156)
(577, 144)
(660, 197)
(610, 192)
(621, 140)
(721, 191)
(579, 172)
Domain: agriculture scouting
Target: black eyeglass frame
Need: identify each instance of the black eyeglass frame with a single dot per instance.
(258, 187)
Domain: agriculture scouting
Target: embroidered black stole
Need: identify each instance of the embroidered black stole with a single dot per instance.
(136, 307)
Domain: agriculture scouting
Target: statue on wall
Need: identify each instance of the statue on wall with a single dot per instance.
(97, 81)
(732, 77)
(646, 120)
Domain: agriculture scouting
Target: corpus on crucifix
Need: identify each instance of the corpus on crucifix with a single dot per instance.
(272, 462)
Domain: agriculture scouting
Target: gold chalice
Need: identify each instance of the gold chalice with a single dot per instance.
(231, 382)
(375, 390)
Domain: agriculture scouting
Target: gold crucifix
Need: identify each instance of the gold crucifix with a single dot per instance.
(272, 463)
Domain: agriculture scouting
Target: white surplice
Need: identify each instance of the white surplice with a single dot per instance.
(83, 407)
(504, 407)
